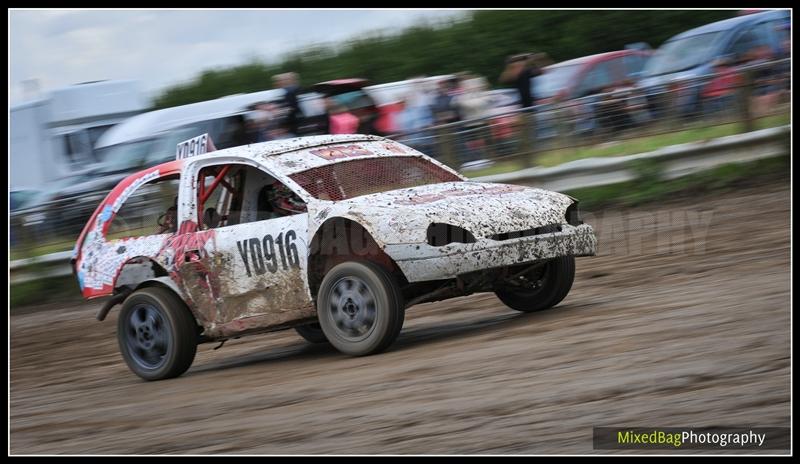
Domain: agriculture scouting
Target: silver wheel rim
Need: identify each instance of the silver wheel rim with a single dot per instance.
(353, 308)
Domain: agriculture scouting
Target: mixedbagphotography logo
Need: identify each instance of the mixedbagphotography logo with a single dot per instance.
(748, 438)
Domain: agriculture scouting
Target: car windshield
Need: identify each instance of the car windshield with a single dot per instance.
(124, 157)
(355, 178)
(354, 100)
(554, 79)
(682, 54)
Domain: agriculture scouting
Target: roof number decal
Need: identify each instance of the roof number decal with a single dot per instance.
(194, 146)
(344, 151)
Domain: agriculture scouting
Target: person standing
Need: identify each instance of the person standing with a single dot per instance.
(444, 109)
(289, 82)
(520, 71)
(473, 105)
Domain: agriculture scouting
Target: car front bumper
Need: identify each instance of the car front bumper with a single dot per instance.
(422, 262)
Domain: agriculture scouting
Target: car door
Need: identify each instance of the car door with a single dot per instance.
(244, 268)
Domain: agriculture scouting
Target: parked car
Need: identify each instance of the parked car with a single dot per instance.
(589, 75)
(390, 96)
(334, 236)
(580, 91)
(683, 64)
(22, 198)
(28, 213)
(376, 104)
(350, 94)
(21, 224)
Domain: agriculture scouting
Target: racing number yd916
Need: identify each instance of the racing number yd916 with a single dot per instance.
(262, 253)
(193, 147)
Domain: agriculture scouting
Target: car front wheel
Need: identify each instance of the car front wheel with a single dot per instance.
(540, 288)
(360, 308)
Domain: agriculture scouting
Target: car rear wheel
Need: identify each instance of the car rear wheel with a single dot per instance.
(157, 334)
(541, 288)
(312, 333)
(360, 308)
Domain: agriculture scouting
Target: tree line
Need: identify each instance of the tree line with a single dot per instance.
(478, 42)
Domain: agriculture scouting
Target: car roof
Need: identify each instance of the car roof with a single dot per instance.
(597, 57)
(149, 124)
(408, 82)
(339, 86)
(279, 147)
(288, 156)
(392, 92)
(727, 24)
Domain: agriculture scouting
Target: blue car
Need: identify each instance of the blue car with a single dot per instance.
(685, 60)
(584, 87)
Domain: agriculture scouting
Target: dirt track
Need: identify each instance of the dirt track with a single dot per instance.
(667, 327)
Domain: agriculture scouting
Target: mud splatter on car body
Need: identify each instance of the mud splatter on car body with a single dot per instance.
(261, 275)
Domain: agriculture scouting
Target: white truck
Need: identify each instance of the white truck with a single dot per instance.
(55, 136)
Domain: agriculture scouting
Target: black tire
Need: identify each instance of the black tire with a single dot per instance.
(312, 333)
(360, 308)
(157, 334)
(555, 281)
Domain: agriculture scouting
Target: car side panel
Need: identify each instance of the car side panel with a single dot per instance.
(249, 275)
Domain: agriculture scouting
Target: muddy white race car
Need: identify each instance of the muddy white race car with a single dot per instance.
(334, 236)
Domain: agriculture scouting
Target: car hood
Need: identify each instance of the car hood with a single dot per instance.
(484, 209)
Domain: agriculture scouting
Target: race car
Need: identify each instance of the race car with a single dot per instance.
(333, 236)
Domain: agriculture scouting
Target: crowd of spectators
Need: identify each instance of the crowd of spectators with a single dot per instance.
(464, 98)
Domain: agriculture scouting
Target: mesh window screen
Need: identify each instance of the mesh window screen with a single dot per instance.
(354, 178)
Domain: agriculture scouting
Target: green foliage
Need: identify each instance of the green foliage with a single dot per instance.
(478, 43)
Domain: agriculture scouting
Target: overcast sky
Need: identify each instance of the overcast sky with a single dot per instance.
(160, 48)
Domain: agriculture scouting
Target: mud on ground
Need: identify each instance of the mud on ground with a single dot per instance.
(682, 320)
